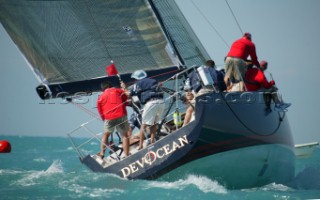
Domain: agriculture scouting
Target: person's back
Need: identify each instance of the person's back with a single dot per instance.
(195, 82)
(235, 62)
(255, 80)
(111, 104)
(146, 89)
(151, 98)
(242, 48)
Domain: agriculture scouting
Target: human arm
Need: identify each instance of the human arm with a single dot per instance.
(253, 55)
(124, 97)
(125, 89)
(265, 83)
(99, 107)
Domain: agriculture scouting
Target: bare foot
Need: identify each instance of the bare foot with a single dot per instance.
(128, 155)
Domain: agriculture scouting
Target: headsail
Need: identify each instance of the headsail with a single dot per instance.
(180, 33)
(70, 43)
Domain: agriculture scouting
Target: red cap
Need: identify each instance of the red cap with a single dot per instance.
(263, 63)
(247, 35)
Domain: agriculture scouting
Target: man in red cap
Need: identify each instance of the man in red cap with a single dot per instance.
(255, 78)
(235, 61)
(256, 81)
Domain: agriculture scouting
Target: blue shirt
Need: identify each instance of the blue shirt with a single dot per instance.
(146, 89)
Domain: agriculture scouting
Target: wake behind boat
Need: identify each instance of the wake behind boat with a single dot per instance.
(68, 44)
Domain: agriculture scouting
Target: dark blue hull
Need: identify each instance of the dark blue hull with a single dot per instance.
(230, 139)
(242, 143)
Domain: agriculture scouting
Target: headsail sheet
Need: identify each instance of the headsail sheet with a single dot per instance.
(67, 41)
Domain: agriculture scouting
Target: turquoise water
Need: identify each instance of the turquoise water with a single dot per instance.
(48, 168)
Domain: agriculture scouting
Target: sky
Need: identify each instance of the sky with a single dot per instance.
(286, 34)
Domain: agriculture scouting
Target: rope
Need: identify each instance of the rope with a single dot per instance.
(211, 25)
(177, 70)
(92, 114)
(248, 128)
(234, 17)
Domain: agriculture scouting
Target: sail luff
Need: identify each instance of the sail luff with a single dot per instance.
(184, 38)
(160, 20)
(202, 52)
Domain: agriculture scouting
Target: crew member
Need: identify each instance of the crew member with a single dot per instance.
(235, 61)
(256, 81)
(111, 105)
(149, 95)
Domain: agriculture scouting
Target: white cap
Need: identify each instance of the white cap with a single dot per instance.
(139, 74)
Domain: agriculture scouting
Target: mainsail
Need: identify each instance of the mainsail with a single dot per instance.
(69, 43)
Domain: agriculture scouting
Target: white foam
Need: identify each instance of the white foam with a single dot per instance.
(270, 187)
(202, 183)
(84, 191)
(31, 179)
(55, 167)
(39, 160)
(94, 143)
(70, 148)
(276, 187)
(9, 171)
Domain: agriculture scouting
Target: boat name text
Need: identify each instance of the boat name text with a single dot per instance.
(149, 158)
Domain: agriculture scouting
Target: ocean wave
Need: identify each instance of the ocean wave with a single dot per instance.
(94, 143)
(308, 179)
(202, 183)
(31, 179)
(70, 148)
(9, 171)
(55, 167)
(81, 191)
(270, 187)
(39, 160)
(276, 187)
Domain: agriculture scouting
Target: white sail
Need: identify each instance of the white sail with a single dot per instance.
(67, 41)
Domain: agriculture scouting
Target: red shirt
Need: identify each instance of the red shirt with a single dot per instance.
(242, 48)
(111, 104)
(255, 79)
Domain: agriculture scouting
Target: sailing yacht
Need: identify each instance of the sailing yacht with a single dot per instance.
(232, 138)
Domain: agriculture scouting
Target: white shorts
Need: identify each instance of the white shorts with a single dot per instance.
(152, 112)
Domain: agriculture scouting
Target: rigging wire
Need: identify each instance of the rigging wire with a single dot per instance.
(234, 17)
(211, 25)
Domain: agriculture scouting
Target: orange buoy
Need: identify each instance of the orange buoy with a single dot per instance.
(5, 146)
